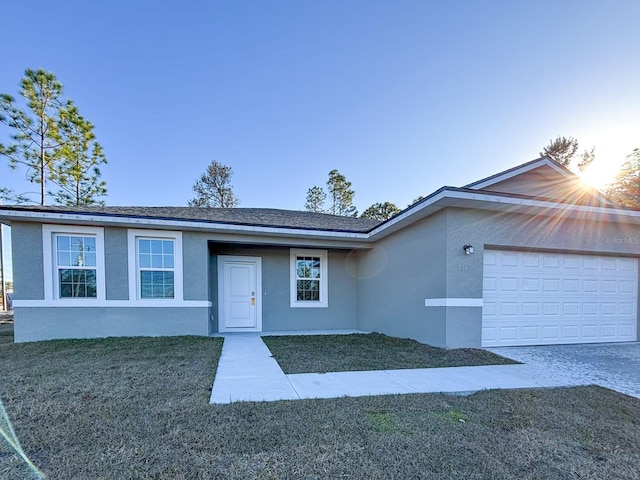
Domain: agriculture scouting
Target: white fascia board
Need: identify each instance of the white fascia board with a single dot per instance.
(519, 170)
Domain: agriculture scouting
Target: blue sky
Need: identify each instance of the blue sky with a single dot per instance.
(400, 96)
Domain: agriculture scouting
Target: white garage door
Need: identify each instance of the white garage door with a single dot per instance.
(532, 298)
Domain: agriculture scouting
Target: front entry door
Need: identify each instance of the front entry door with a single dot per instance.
(239, 287)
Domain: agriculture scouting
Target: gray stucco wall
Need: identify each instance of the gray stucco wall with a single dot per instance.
(195, 259)
(396, 276)
(26, 256)
(116, 267)
(36, 323)
(277, 314)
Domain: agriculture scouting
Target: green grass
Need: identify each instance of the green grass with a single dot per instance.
(340, 353)
(137, 408)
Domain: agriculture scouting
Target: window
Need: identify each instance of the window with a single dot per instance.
(73, 263)
(76, 266)
(155, 265)
(309, 278)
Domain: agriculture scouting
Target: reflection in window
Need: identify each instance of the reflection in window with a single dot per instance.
(308, 279)
(156, 267)
(76, 266)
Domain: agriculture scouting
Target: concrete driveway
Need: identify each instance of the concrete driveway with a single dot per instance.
(612, 365)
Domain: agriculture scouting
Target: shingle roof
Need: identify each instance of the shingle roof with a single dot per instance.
(263, 217)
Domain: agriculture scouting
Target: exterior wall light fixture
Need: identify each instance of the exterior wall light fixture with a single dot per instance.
(468, 249)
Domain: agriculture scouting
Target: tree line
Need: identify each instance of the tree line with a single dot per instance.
(58, 148)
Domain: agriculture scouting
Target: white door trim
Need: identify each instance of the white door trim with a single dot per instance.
(257, 261)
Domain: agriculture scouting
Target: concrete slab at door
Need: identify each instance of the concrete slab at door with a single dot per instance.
(239, 290)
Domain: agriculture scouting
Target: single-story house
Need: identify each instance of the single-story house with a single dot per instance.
(527, 256)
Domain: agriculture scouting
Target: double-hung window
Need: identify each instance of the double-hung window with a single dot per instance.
(156, 260)
(76, 266)
(155, 265)
(73, 263)
(309, 273)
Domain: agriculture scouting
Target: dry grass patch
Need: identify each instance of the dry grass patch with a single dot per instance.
(374, 351)
(137, 408)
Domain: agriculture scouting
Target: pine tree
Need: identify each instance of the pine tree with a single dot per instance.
(35, 142)
(316, 197)
(214, 189)
(381, 211)
(78, 176)
(52, 141)
(340, 195)
(625, 189)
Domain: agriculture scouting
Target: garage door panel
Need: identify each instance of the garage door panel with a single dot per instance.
(571, 285)
(570, 332)
(627, 286)
(530, 285)
(509, 259)
(626, 331)
(490, 284)
(571, 262)
(590, 263)
(509, 284)
(508, 309)
(627, 309)
(570, 308)
(628, 265)
(531, 261)
(551, 262)
(540, 298)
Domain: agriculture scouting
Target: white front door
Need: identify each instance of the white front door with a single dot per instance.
(239, 294)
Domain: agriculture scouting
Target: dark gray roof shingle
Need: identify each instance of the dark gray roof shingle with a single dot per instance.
(263, 217)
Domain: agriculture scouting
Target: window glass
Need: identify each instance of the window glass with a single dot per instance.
(76, 266)
(156, 268)
(308, 279)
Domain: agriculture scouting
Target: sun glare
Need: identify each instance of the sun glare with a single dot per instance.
(599, 174)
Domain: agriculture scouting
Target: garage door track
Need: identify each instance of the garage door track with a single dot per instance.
(612, 365)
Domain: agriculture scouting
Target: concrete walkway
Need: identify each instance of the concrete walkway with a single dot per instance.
(248, 372)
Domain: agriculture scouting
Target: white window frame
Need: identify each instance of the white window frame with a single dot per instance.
(134, 268)
(50, 261)
(294, 253)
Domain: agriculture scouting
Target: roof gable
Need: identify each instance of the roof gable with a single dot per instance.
(541, 178)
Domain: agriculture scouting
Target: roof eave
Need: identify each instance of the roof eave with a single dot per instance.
(218, 228)
(440, 199)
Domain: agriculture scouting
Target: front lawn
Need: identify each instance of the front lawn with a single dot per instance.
(373, 351)
(137, 408)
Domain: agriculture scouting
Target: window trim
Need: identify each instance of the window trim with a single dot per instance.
(50, 263)
(294, 253)
(134, 270)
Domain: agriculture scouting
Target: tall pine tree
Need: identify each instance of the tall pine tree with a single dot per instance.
(52, 141)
